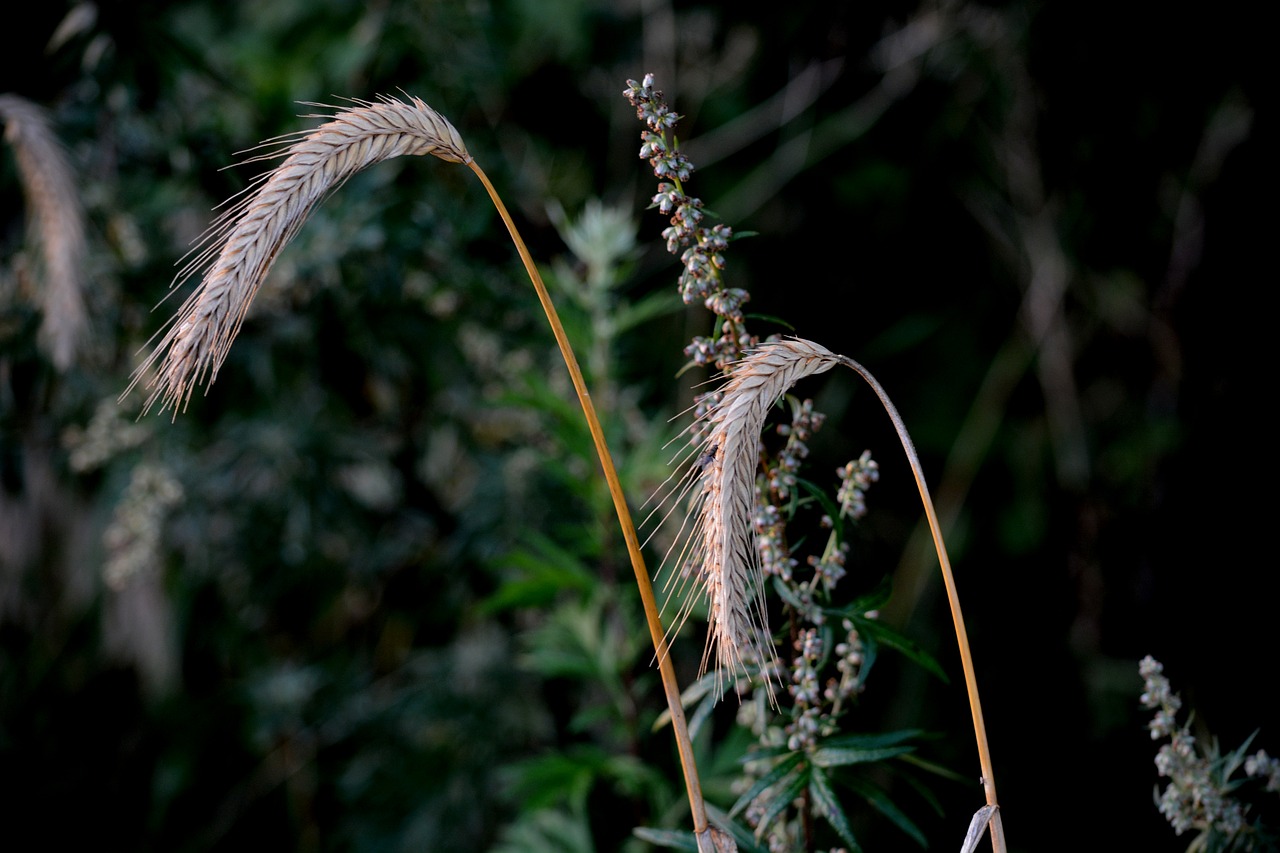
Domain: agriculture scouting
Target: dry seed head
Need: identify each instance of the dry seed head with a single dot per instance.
(57, 220)
(718, 537)
(238, 250)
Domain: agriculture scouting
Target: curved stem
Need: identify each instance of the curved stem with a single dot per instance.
(665, 668)
(962, 637)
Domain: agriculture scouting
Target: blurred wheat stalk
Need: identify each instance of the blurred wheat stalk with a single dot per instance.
(56, 224)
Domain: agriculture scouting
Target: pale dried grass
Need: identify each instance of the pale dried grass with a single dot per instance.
(57, 226)
(237, 251)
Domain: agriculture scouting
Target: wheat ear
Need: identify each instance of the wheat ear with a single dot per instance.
(239, 248)
(723, 541)
(57, 220)
(723, 534)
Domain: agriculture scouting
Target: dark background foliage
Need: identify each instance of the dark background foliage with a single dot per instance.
(1040, 225)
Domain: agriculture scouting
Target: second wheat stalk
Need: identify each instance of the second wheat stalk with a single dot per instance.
(722, 538)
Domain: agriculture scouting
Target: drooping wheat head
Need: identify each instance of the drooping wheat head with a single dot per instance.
(237, 251)
(718, 543)
(57, 225)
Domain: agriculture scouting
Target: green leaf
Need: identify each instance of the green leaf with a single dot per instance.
(770, 318)
(781, 769)
(873, 600)
(741, 835)
(700, 689)
(880, 801)
(776, 802)
(829, 507)
(541, 571)
(864, 748)
(670, 838)
(650, 307)
(824, 799)
(764, 753)
(785, 593)
(873, 741)
(825, 757)
(870, 654)
(580, 640)
(571, 774)
(1231, 762)
(884, 634)
(935, 769)
(547, 831)
(700, 715)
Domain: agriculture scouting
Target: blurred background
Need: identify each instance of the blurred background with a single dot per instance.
(366, 593)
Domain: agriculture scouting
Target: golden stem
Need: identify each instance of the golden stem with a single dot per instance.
(665, 668)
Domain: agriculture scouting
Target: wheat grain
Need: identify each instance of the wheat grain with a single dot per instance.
(57, 220)
(238, 250)
(720, 539)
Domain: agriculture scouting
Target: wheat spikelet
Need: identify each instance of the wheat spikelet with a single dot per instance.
(718, 539)
(238, 250)
(57, 221)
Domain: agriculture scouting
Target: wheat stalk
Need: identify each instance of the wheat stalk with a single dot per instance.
(57, 220)
(239, 248)
(721, 540)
